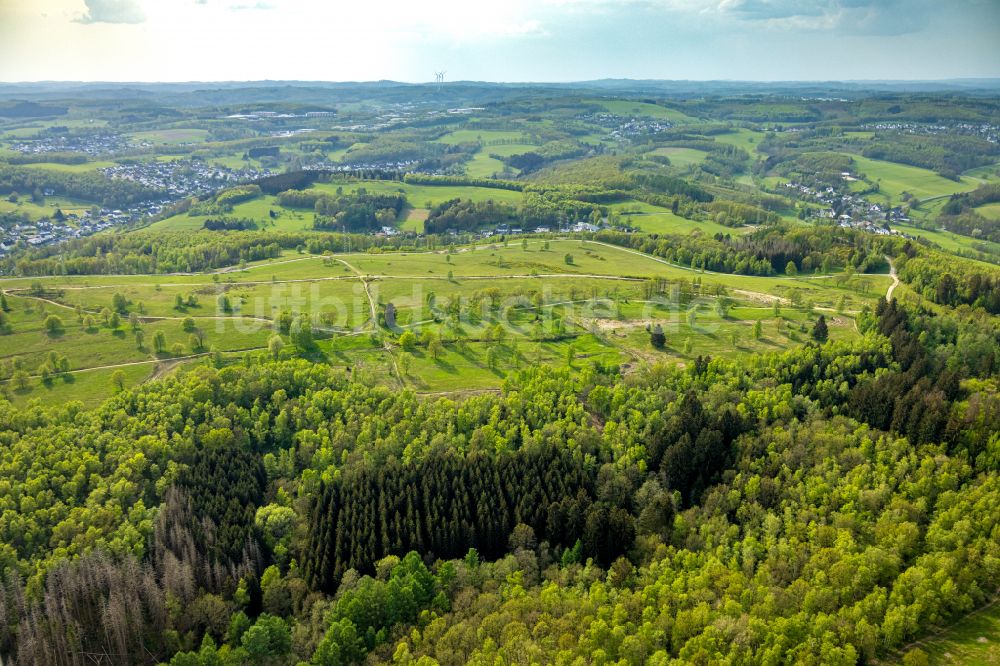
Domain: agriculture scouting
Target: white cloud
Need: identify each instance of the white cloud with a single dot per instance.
(112, 11)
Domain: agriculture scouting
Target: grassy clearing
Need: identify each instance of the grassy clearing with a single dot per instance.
(894, 179)
(656, 219)
(601, 298)
(420, 195)
(990, 211)
(630, 108)
(413, 219)
(35, 211)
(742, 138)
(256, 209)
(682, 157)
(91, 387)
(972, 641)
(70, 168)
(483, 166)
(990, 172)
(175, 136)
(952, 241)
(481, 136)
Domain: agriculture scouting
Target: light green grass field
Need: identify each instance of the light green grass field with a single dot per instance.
(256, 209)
(413, 219)
(894, 179)
(682, 157)
(656, 219)
(582, 294)
(420, 195)
(484, 136)
(630, 108)
(173, 136)
(990, 211)
(973, 641)
(987, 173)
(70, 168)
(746, 139)
(483, 166)
(949, 240)
(34, 211)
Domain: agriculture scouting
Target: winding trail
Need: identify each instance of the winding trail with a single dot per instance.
(174, 360)
(374, 320)
(895, 279)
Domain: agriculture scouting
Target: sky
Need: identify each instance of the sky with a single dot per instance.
(502, 40)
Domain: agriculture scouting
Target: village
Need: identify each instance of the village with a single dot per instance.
(622, 128)
(986, 131)
(849, 210)
(183, 178)
(176, 180)
(56, 140)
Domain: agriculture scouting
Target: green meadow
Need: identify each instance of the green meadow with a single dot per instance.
(990, 211)
(172, 136)
(893, 179)
(951, 241)
(681, 157)
(484, 136)
(742, 138)
(633, 108)
(599, 294)
(973, 640)
(35, 211)
(656, 219)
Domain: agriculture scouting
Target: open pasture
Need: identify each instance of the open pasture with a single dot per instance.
(681, 157)
(893, 179)
(420, 195)
(642, 109)
(172, 136)
(550, 310)
(484, 136)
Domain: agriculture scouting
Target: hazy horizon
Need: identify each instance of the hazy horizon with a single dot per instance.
(538, 82)
(553, 41)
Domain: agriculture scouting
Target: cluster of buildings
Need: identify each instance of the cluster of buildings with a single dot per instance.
(175, 179)
(256, 116)
(183, 178)
(351, 167)
(849, 210)
(89, 144)
(74, 225)
(622, 127)
(985, 131)
(507, 230)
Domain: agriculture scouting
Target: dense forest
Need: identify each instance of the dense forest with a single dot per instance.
(275, 512)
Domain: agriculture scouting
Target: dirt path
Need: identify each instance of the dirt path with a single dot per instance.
(365, 280)
(895, 280)
(17, 290)
(170, 361)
